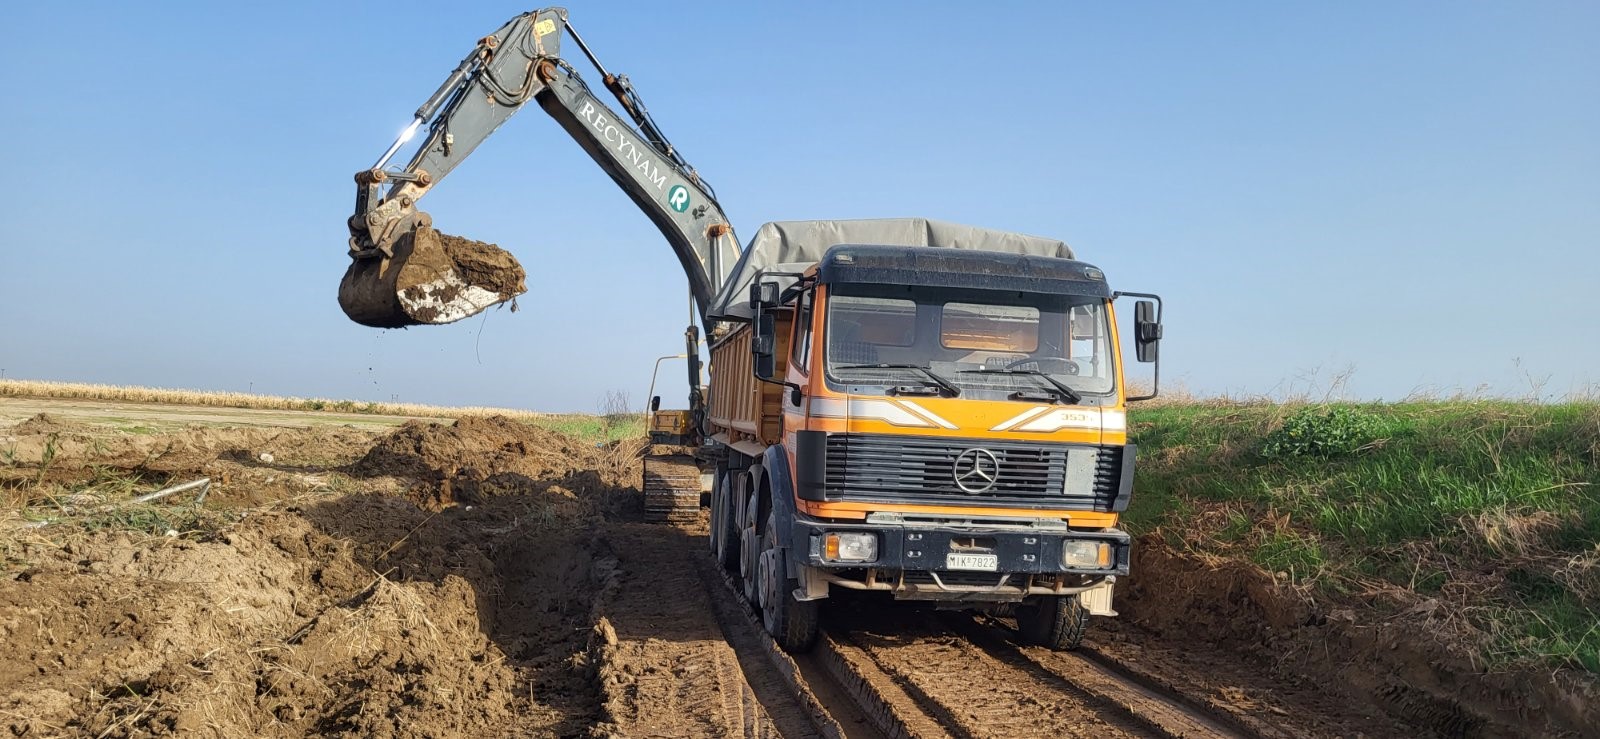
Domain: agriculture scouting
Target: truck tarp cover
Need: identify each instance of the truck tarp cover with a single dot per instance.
(796, 245)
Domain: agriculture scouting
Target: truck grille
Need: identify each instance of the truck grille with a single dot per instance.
(909, 468)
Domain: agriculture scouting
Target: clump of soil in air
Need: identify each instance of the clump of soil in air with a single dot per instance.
(371, 290)
(485, 265)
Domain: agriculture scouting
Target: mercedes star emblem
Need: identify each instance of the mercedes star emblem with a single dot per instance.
(976, 470)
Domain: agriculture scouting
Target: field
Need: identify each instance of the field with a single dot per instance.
(1318, 570)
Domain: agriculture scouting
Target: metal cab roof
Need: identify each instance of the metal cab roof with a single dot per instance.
(961, 268)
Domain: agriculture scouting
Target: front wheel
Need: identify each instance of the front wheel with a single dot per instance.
(1057, 622)
(792, 623)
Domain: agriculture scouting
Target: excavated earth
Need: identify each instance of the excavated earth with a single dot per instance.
(490, 578)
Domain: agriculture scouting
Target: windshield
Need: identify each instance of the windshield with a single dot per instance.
(982, 344)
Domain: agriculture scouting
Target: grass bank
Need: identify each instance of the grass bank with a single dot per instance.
(1488, 509)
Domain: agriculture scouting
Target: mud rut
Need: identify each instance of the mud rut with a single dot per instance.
(876, 673)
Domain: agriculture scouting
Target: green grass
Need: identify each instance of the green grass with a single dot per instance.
(1424, 496)
(594, 428)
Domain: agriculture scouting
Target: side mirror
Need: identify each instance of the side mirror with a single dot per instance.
(762, 345)
(655, 403)
(763, 295)
(1147, 331)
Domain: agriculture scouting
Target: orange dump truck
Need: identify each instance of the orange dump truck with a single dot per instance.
(933, 411)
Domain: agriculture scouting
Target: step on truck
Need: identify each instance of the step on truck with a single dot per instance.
(919, 409)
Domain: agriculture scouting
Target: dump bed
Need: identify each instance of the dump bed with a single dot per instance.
(745, 410)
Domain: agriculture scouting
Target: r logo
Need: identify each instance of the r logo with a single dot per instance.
(678, 198)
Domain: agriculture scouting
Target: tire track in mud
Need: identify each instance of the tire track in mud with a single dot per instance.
(1158, 708)
(664, 665)
(831, 709)
(686, 656)
(968, 691)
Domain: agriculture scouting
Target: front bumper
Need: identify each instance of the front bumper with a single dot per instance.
(913, 559)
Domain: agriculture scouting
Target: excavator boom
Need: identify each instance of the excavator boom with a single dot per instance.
(405, 273)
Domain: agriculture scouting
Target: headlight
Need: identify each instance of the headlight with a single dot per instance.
(850, 547)
(1086, 554)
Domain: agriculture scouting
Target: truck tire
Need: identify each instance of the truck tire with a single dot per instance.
(1057, 622)
(792, 623)
(750, 555)
(724, 534)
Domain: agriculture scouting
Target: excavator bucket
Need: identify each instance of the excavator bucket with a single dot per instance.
(433, 278)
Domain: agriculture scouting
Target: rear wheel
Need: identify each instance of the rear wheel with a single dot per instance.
(724, 533)
(1057, 622)
(792, 623)
(750, 554)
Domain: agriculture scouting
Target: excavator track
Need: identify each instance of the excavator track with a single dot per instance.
(671, 484)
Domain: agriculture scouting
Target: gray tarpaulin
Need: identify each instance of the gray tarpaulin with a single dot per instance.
(796, 245)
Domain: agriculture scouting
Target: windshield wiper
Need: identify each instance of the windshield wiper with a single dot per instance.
(1066, 390)
(941, 382)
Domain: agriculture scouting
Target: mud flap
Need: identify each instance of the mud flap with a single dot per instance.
(432, 278)
(1098, 598)
(813, 586)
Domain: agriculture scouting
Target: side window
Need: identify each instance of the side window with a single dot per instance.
(802, 342)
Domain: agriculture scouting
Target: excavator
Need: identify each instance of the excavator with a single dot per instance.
(405, 273)
(902, 407)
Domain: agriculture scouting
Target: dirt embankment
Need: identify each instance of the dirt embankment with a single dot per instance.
(1389, 663)
(355, 601)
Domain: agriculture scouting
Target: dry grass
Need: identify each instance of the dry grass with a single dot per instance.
(135, 394)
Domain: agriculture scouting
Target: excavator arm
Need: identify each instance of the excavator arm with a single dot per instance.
(404, 273)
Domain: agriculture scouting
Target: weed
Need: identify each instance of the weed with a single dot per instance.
(46, 458)
(1321, 432)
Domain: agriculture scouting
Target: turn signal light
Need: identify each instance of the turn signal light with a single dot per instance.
(850, 547)
(1086, 554)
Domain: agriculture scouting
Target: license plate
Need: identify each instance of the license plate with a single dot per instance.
(982, 562)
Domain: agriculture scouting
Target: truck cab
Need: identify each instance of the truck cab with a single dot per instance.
(951, 427)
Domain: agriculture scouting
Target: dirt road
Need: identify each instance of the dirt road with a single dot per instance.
(489, 578)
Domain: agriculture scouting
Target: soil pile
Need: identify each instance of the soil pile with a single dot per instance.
(43, 423)
(474, 459)
(339, 609)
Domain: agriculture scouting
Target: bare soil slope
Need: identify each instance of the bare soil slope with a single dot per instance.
(332, 590)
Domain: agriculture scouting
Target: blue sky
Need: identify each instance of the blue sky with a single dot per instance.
(1411, 190)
